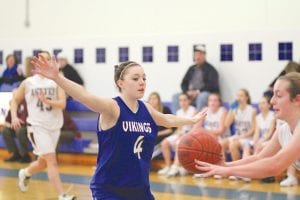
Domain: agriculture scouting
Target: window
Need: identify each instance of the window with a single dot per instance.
(100, 55)
(56, 51)
(78, 55)
(255, 51)
(226, 52)
(173, 53)
(18, 54)
(1, 57)
(148, 54)
(123, 54)
(36, 52)
(285, 51)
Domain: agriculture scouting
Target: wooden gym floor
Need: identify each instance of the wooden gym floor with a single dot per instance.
(76, 179)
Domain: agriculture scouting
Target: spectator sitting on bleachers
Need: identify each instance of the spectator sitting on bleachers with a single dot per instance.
(243, 118)
(199, 81)
(155, 101)
(172, 141)
(20, 153)
(70, 73)
(265, 125)
(68, 70)
(12, 75)
(214, 122)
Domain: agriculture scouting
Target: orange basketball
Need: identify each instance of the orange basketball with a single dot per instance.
(204, 147)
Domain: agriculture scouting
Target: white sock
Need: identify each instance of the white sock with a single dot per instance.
(27, 173)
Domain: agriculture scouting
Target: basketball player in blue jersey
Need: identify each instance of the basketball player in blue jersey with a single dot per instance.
(283, 148)
(127, 130)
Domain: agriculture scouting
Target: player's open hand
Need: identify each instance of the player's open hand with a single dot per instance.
(200, 116)
(16, 123)
(210, 169)
(41, 97)
(49, 69)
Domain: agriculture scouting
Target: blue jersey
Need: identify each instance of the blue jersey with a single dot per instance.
(124, 156)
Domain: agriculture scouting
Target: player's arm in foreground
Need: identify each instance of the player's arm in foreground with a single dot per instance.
(271, 161)
(170, 120)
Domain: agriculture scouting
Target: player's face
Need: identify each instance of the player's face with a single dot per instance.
(134, 82)
(199, 57)
(213, 102)
(282, 104)
(45, 55)
(264, 105)
(242, 97)
(184, 102)
(10, 61)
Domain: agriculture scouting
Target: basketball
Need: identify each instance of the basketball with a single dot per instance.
(199, 146)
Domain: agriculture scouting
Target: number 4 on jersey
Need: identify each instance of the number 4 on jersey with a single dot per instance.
(138, 146)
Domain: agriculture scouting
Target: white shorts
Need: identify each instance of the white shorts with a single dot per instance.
(243, 141)
(43, 141)
(174, 140)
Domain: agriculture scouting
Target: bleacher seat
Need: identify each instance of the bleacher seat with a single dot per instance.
(2, 144)
(73, 105)
(8, 87)
(85, 124)
(77, 145)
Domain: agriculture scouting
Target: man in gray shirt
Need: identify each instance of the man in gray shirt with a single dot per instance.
(200, 80)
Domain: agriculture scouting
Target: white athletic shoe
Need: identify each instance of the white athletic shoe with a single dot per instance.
(245, 179)
(289, 181)
(233, 178)
(66, 197)
(23, 180)
(164, 171)
(218, 176)
(182, 171)
(198, 176)
(174, 171)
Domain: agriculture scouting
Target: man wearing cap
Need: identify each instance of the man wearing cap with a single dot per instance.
(200, 80)
(69, 126)
(68, 71)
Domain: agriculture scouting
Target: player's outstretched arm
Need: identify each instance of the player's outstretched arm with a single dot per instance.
(50, 69)
(270, 164)
(169, 120)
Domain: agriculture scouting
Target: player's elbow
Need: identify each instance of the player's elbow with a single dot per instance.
(63, 105)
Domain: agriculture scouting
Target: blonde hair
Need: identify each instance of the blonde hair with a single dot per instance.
(160, 105)
(28, 67)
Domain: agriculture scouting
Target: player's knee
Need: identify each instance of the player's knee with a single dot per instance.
(165, 144)
(42, 162)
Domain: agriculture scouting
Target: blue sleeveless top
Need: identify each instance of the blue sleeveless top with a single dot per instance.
(124, 156)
